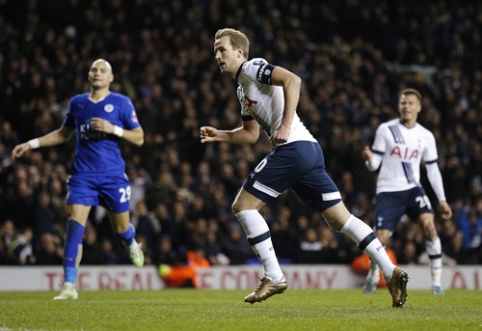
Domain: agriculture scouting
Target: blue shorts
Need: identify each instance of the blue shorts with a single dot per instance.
(391, 206)
(112, 192)
(299, 165)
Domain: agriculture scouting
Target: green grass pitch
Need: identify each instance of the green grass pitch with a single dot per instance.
(179, 309)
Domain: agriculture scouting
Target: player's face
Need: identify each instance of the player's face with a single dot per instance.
(226, 55)
(100, 74)
(409, 106)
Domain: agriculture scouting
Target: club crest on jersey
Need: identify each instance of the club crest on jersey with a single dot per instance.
(109, 108)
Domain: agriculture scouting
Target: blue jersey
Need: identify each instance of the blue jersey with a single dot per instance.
(98, 153)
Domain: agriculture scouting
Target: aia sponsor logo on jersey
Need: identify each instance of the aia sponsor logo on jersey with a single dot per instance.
(404, 153)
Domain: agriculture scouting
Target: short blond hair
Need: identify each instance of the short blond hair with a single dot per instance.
(237, 39)
(412, 91)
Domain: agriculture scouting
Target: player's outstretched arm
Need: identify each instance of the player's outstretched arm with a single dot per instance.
(209, 134)
(135, 136)
(247, 134)
(53, 138)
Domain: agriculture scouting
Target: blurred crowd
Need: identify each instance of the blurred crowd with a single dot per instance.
(353, 56)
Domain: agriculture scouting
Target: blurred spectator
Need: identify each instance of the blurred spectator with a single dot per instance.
(146, 223)
(283, 236)
(50, 251)
(470, 224)
(20, 249)
(310, 248)
(213, 251)
(90, 246)
(166, 254)
(457, 251)
(409, 254)
(44, 217)
(107, 254)
(236, 247)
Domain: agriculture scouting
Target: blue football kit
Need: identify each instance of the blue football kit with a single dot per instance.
(98, 169)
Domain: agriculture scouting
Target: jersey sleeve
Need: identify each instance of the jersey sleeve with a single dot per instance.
(380, 144)
(129, 115)
(69, 120)
(430, 154)
(258, 70)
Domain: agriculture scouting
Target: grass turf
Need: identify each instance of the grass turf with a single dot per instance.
(191, 309)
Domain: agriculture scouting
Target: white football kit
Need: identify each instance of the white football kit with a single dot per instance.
(298, 163)
(265, 102)
(400, 150)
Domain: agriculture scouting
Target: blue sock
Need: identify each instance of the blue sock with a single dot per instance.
(72, 250)
(128, 236)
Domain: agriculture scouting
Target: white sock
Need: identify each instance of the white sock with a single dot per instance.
(257, 232)
(368, 242)
(434, 251)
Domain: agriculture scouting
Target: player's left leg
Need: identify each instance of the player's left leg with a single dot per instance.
(115, 192)
(421, 209)
(125, 230)
(434, 251)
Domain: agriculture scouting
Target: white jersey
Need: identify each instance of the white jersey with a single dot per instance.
(265, 102)
(402, 150)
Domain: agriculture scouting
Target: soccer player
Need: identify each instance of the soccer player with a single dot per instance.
(269, 96)
(399, 146)
(99, 119)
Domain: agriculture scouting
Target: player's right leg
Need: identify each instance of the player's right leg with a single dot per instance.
(245, 207)
(73, 249)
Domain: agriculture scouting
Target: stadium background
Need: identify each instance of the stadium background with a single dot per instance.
(353, 56)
